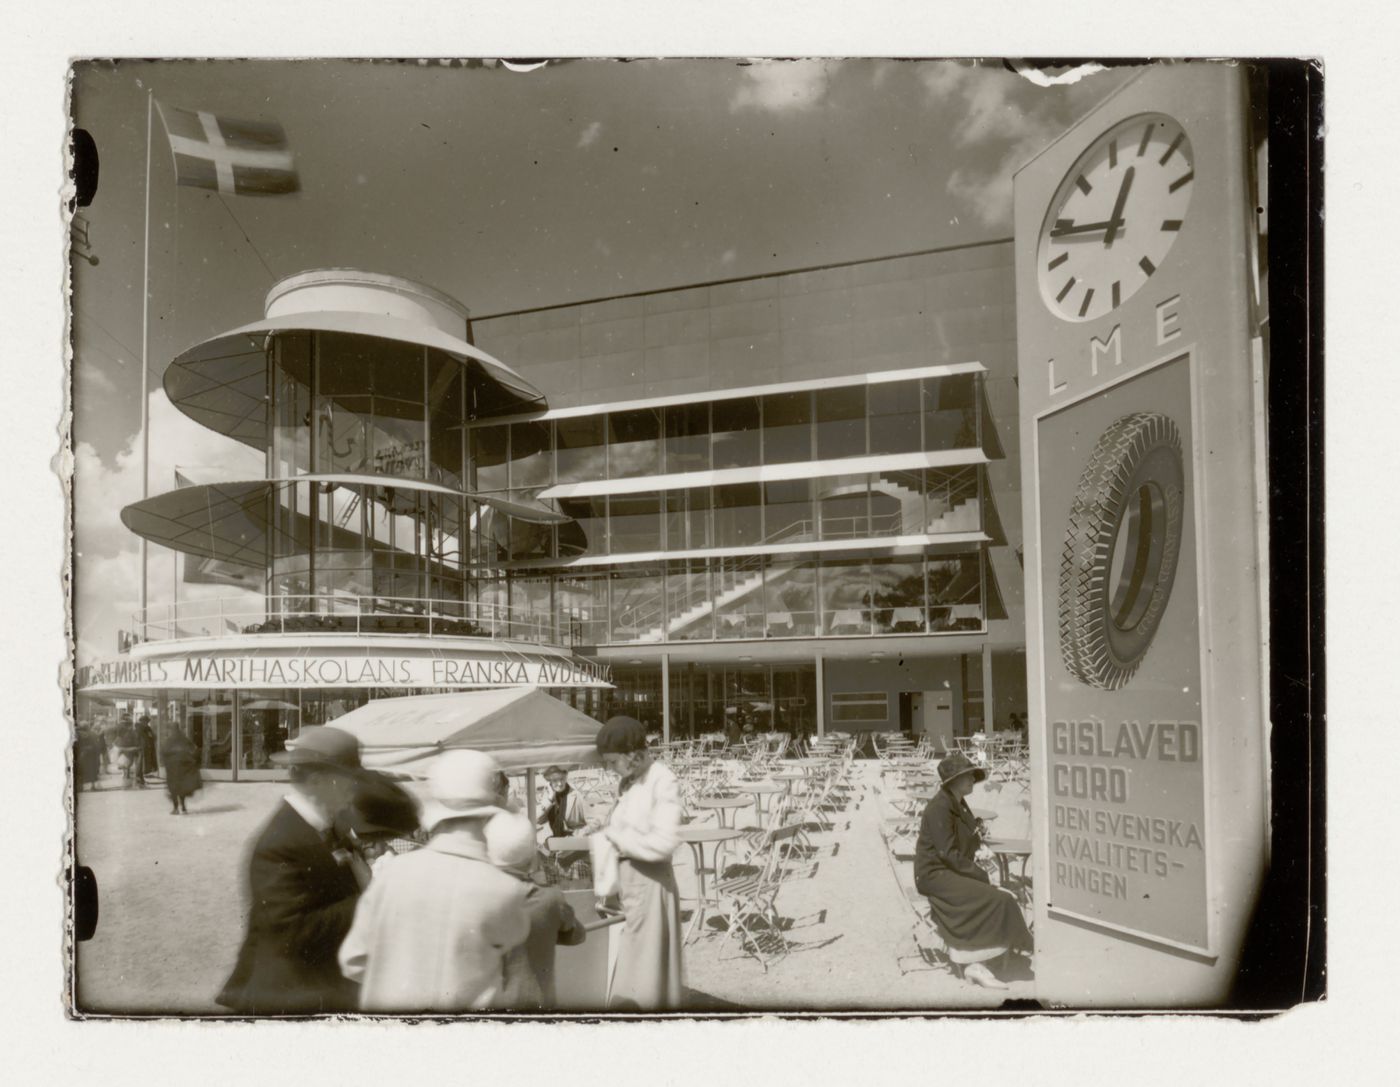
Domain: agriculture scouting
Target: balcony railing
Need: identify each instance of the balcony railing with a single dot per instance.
(341, 614)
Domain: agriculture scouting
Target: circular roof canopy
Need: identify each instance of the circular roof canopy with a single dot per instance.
(222, 383)
(228, 521)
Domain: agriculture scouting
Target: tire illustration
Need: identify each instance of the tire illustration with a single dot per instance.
(1120, 551)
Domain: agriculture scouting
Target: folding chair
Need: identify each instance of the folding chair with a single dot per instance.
(751, 895)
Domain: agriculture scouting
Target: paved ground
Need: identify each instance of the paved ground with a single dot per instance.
(172, 910)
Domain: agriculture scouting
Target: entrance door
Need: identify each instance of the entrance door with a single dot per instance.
(938, 717)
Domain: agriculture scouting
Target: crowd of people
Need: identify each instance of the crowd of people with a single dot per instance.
(130, 746)
(364, 899)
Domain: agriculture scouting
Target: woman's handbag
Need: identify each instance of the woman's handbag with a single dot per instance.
(607, 873)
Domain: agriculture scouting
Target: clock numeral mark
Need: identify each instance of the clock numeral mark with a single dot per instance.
(1057, 261)
(1084, 306)
(1065, 290)
(1147, 266)
(1171, 148)
(1084, 186)
(1112, 154)
(1171, 224)
(1182, 180)
(1117, 295)
(1146, 136)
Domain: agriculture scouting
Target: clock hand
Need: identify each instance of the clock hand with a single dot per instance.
(1083, 228)
(1116, 220)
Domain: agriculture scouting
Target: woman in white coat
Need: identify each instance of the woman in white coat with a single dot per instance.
(645, 829)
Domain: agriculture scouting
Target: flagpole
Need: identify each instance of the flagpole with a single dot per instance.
(145, 353)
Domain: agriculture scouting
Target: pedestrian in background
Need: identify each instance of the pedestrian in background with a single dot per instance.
(146, 738)
(303, 891)
(432, 932)
(88, 757)
(182, 778)
(644, 828)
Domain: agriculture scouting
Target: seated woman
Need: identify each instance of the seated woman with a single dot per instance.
(979, 921)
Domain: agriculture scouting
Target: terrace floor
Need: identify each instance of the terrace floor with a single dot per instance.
(172, 910)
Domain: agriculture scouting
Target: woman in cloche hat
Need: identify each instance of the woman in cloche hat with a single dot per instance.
(645, 830)
(978, 921)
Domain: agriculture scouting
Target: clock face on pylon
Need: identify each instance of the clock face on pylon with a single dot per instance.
(1115, 217)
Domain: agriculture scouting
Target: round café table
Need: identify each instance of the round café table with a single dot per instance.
(1005, 850)
(725, 805)
(761, 790)
(697, 838)
(787, 777)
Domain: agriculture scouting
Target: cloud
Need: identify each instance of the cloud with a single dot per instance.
(729, 256)
(1003, 121)
(778, 85)
(106, 554)
(589, 136)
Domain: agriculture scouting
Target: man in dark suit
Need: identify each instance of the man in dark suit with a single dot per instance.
(303, 889)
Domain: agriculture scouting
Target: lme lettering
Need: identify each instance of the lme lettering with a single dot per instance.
(1108, 352)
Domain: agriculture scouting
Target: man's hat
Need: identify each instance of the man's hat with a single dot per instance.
(324, 746)
(956, 765)
(555, 772)
(381, 808)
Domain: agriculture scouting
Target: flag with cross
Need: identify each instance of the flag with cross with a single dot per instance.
(239, 158)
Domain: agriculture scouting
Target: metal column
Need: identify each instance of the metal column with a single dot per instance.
(665, 698)
(988, 716)
(821, 696)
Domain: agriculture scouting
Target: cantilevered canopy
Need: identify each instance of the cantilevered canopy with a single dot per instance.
(230, 521)
(522, 728)
(222, 383)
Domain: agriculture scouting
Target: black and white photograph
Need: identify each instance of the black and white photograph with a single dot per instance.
(729, 536)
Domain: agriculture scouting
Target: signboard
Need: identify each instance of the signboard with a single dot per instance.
(272, 668)
(1141, 423)
(1125, 762)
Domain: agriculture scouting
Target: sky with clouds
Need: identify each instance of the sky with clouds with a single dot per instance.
(506, 189)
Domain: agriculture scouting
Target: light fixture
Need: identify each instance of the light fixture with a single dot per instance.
(746, 659)
(635, 660)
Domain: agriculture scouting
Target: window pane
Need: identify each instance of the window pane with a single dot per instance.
(738, 515)
(736, 432)
(291, 433)
(634, 443)
(845, 594)
(581, 609)
(955, 593)
(790, 594)
(950, 412)
(341, 438)
(738, 589)
(864, 706)
(897, 503)
(898, 589)
(634, 523)
(788, 516)
(580, 453)
(490, 450)
(688, 438)
(688, 519)
(531, 455)
(637, 605)
(894, 417)
(787, 428)
(528, 540)
(954, 500)
(845, 508)
(587, 533)
(690, 613)
(841, 422)
(445, 419)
